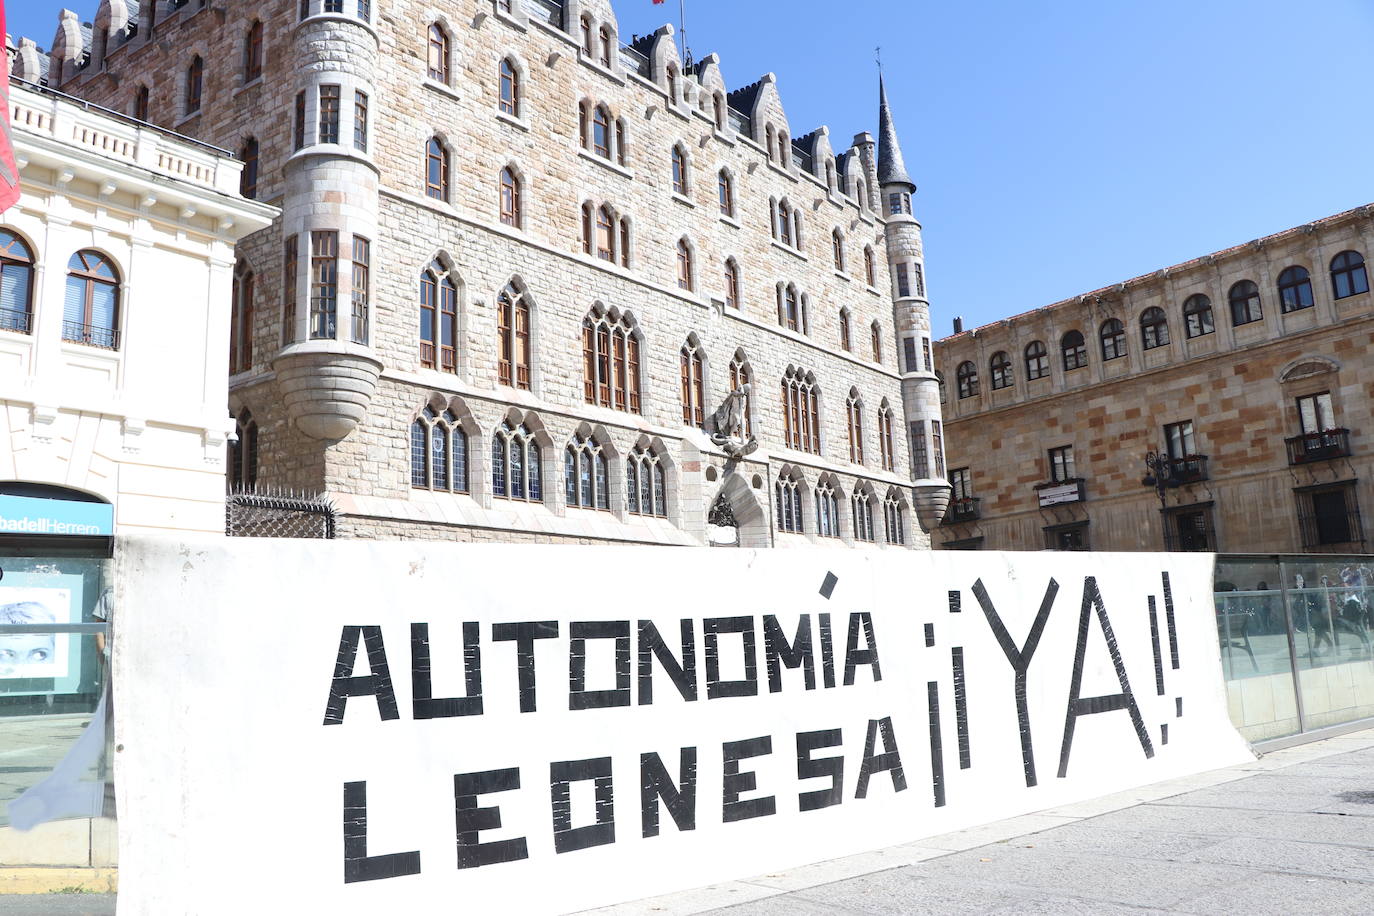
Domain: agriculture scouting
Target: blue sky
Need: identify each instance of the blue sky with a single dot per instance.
(1064, 145)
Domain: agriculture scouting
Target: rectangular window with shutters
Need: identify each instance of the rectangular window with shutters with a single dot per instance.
(324, 283)
(329, 115)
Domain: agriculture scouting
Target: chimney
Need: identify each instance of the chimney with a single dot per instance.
(959, 325)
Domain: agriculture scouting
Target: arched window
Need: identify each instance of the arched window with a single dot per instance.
(438, 452)
(886, 453)
(875, 334)
(789, 308)
(837, 249)
(610, 361)
(893, 529)
(845, 339)
(870, 275)
(1154, 328)
(788, 491)
(438, 53)
(645, 484)
(1348, 277)
(90, 309)
(684, 265)
(967, 378)
(1112, 334)
(693, 385)
(672, 83)
(252, 53)
(607, 46)
(1074, 350)
(718, 102)
(731, 283)
(620, 135)
(827, 510)
(509, 88)
(195, 84)
(1037, 360)
(242, 473)
(16, 284)
(241, 319)
(141, 100)
(740, 376)
(1244, 298)
(726, 191)
(770, 136)
(854, 413)
(599, 235)
(248, 178)
(586, 482)
(587, 43)
(782, 230)
(1295, 289)
(436, 169)
(1000, 368)
(601, 132)
(1197, 316)
(801, 412)
(438, 318)
(513, 332)
(510, 197)
(861, 504)
(679, 170)
(517, 470)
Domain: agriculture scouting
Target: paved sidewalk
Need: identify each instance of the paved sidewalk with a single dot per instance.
(1292, 832)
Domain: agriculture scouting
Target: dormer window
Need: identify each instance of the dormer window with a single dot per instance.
(607, 46)
(587, 48)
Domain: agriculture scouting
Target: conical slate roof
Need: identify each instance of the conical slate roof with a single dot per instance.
(891, 168)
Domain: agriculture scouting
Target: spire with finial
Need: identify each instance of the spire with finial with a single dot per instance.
(891, 168)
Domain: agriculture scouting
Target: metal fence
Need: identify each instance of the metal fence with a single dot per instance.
(255, 514)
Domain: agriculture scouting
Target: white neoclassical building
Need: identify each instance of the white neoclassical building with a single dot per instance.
(116, 279)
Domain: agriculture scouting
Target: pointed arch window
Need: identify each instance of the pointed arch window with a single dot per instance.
(1000, 369)
(782, 230)
(601, 132)
(241, 319)
(588, 45)
(1074, 350)
(887, 453)
(967, 378)
(740, 376)
(1113, 337)
(436, 169)
(788, 493)
(718, 104)
(438, 452)
(1244, 299)
(242, 473)
(90, 309)
(513, 332)
(827, 510)
(846, 341)
(854, 412)
(517, 468)
(1348, 276)
(610, 362)
(1295, 289)
(438, 318)
(693, 385)
(141, 103)
(195, 84)
(801, 412)
(870, 274)
(672, 83)
(725, 188)
(684, 265)
(509, 102)
(586, 480)
(438, 69)
(252, 53)
(791, 309)
(607, 46)
(679, 170)
(645, 484)
(1197, 316)
(510, 197)
(1037, 361)
(731, 283)
(16, 284)
(861, 504)
(893, 529)
(837, 249)
(875, 334)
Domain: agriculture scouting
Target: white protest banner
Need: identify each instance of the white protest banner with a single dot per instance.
(361, 728)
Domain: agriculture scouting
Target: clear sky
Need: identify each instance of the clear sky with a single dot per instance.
(1063, 145)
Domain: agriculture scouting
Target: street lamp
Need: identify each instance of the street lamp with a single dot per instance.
(1160, 474)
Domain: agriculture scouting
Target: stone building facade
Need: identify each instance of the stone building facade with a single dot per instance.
(522, 264)
(1246, 376)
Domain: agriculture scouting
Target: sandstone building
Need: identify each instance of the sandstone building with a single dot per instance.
(522, 264)
(1246, 374)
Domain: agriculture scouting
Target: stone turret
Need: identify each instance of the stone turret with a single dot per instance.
(911, 318)
(327, 370)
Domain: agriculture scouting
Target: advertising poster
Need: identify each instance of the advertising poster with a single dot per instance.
(34, 655)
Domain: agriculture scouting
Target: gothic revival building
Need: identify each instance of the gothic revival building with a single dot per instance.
(534, 283)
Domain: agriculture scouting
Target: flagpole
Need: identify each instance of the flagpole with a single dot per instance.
(682, 27)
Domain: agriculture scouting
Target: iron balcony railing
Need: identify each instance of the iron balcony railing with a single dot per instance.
(90, 335)
(1188, 469)
(13, 320)
(1332, 443)
(963, 509)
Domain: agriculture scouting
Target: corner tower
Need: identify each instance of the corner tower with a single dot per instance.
(911, 318)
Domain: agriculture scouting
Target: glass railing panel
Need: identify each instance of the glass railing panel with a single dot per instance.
(1252, 634)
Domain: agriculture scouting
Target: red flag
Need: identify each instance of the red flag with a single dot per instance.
(9, 172)
(657, 2)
